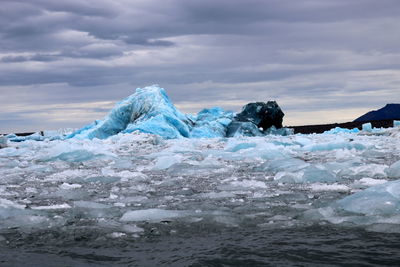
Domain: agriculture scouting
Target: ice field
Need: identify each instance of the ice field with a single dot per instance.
(127, 186)
(152, 200)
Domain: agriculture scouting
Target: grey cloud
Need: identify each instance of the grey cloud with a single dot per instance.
(90, 50)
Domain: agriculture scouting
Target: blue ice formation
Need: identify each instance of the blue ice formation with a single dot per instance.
(34, 137)
(338, 130)
(211, 123)
(150, 110)
(367, 127)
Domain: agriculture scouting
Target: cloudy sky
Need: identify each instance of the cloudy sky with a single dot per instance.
(65, 63)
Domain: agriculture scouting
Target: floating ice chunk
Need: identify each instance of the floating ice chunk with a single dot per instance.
(334, 145)
(371, 181)
(338, 130)
(242, 146)
(302, 140)
(52, 207)
(34, 137)
(396, 123)
(8, 204)
(329, 187)
(26, 222)
(370, 170)
(367, 127)
(132, 228)
(216, 195)
(289, 177)
(75, 174)
(394, 170)
(381, 199)
(70, 186)
(165, 162)
(76, 156)
(314, 174)
(93, 209)
(90, 205)
(151, 215)
(289, 165)
(249, 184)
(117, 235)
(310, 174)
(70, 151)
(68, 194)
(10, 209)
(102, 179)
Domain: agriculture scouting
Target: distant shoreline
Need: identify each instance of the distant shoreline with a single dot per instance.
(309, 129)
(320, 128)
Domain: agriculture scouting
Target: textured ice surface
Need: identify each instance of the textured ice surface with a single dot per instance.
(148, 110)
(211, 123)
(137, 185)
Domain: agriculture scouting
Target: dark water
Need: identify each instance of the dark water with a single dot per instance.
(308, 246)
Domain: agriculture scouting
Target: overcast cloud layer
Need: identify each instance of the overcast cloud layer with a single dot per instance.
(65, 63)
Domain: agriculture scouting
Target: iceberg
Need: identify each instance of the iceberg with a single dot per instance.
(148, 110)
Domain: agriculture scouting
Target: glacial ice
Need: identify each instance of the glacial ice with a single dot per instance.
(149, 110)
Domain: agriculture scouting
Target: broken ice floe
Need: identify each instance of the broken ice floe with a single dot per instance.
(130, 182)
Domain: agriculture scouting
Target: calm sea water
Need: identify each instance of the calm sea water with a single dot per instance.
(321, 245)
